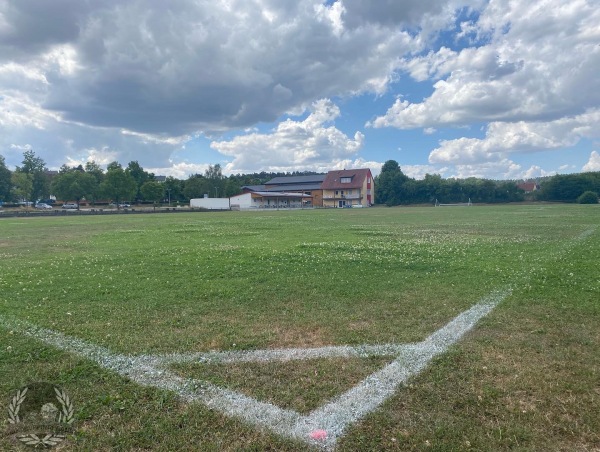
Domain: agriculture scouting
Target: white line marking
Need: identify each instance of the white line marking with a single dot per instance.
(333, 418)
(283, 354)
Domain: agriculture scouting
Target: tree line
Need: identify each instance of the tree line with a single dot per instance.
(33, 182)
(393, 187)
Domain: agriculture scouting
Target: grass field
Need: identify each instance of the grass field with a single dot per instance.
(527, 377)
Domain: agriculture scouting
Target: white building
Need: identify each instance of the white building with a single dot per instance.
(270, 200)
(210, 203)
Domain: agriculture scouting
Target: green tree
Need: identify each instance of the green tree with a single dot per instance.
(5, 181)
(389, 184)
(173, 189)
(433, 184)
(118, 185)
(568, 187)
(140, 176)
(22, 185)
(94, 169)
(216, 181)
(113, 165)
(153, 191)
(97, 173)
(232, 187)
(36, 168)
(588, 197)
(74, 184)
(196, 186)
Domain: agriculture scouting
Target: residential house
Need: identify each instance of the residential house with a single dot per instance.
(528, 187)
(345, 188)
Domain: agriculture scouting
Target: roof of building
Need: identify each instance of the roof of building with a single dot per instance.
(528, 186)
(288, 180)
(279, 194)
(357, 179)
(254, 187)
(298, 187)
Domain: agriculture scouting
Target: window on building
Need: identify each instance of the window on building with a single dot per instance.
(345, 180)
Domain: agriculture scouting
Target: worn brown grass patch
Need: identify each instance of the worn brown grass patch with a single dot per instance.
(298, 385)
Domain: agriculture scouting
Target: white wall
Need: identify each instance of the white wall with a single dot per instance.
(244, 200)
(210, 203)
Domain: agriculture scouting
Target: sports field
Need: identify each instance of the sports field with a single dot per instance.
(232, 330)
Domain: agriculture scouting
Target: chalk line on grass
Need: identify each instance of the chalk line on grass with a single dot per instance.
(323, 426)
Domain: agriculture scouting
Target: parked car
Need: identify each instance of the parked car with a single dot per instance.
(43, 205)
(69, 205)
(124, 205)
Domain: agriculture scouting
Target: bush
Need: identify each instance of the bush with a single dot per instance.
(588, 197)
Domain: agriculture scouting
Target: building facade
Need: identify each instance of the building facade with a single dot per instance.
(270, 200)
(306, 185)
(348, 188)
(340, 188)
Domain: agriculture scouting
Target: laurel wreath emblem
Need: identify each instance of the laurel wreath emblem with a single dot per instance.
(66, 416)
(49, 440)
(67, 411)
(15, 406)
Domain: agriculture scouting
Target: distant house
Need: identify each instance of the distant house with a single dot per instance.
(528, 187)
(342, 188)
(348, 188)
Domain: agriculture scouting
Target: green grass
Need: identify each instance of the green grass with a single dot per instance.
(525, 378)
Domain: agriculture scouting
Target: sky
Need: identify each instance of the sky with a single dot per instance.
(494, 89)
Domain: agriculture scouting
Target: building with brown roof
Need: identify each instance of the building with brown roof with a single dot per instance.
(342, 188)
(529, 186)
(348, 188)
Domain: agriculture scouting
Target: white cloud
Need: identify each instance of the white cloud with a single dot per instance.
(374, 166)
(139, 79)
(157, 139)
(536, 171)
(593, 163)
(540, 56)
(301, 145)
(497, 170)
(503, 169)
(180, 170)
(102, 157)
(179, 67)
(419, 171)
(503, 138)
